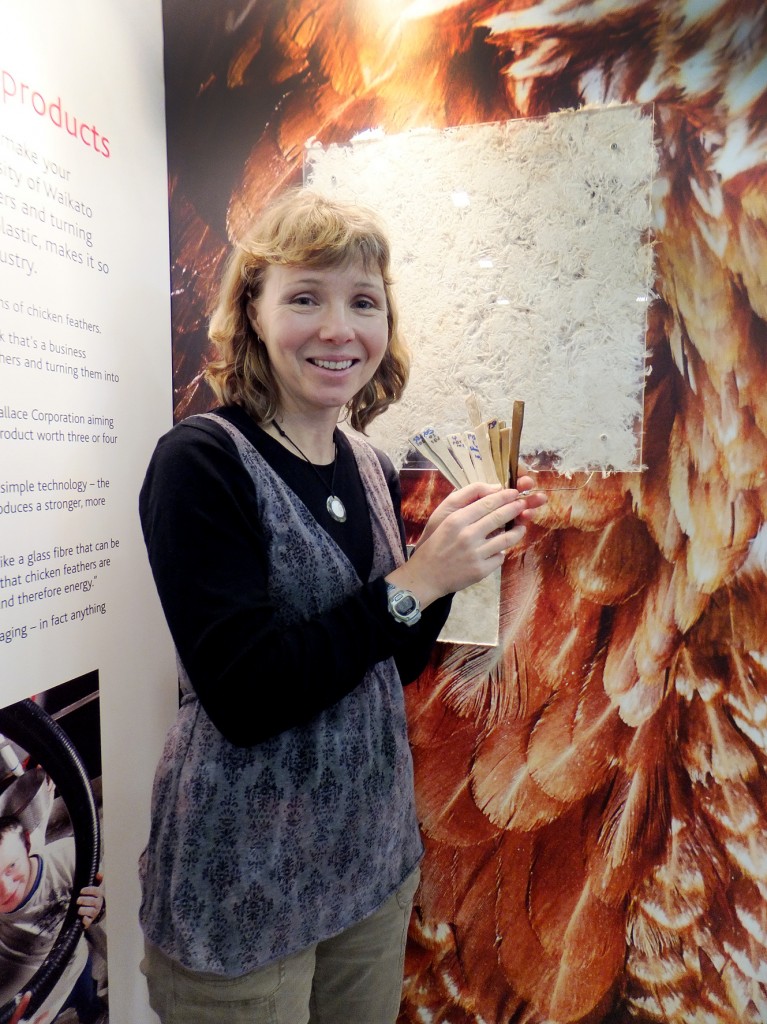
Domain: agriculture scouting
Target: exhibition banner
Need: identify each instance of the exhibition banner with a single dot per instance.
(84, 393)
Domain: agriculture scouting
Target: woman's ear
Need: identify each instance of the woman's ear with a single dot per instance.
(252, 312)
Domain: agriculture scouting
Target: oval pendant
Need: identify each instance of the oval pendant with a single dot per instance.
(336, 508)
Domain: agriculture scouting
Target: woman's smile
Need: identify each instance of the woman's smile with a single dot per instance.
(329, 364)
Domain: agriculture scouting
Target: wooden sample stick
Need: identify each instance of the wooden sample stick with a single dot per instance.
(494, 428)
(442, 449)
(482, 468)
(422, 448)
(472, 409)
(517, 418)
(489, 452)
(505, 440)
(461, 452)
(486, 453)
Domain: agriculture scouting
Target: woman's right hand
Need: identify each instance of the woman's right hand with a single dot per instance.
(465, 540)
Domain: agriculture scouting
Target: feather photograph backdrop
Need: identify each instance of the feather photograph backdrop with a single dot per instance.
(592, 790)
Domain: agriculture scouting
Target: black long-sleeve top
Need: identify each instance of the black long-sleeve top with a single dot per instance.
(206, 549)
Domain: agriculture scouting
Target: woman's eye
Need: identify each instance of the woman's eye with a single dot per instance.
(303, 300)
(364, 303)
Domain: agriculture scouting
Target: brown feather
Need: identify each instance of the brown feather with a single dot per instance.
(502, 786)
(611, 566)
(575, 742)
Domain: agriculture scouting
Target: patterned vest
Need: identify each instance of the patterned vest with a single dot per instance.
(258, 852)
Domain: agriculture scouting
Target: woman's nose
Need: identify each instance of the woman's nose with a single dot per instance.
(336, 324)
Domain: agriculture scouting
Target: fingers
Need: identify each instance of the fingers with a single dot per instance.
(485, 517)
(501, 542)
(533, 502)
(492, 539)
(471, 492)
(492, 553)
(467, 496)
(90, 901)
(454, 503)
(493, 511)
(533, 499)
(525, 483)
(475, 501)
(464, 497)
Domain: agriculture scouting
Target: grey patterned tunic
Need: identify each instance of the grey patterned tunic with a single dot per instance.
(256, 853)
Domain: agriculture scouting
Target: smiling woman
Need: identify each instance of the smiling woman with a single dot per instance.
(284, 849)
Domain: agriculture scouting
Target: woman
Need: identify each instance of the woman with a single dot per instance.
(284, 849)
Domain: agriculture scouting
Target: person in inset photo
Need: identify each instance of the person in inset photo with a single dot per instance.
(35, 892)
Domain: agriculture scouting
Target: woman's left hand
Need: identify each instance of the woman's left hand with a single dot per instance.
(457, 500)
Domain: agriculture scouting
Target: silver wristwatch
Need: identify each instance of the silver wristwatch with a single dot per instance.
(403, 605)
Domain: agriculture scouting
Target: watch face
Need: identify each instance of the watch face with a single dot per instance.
(406, 604)
(403, 605)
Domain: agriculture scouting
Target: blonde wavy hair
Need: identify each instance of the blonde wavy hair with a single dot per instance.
(299, 229)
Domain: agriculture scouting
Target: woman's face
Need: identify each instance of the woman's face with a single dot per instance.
(325, 331)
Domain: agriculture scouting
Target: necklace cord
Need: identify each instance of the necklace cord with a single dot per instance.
(334, 505)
